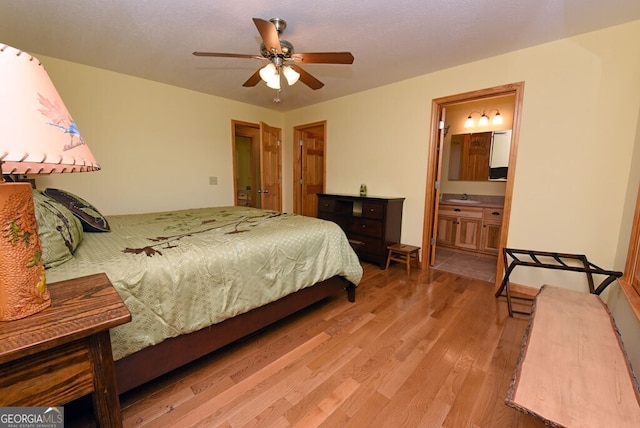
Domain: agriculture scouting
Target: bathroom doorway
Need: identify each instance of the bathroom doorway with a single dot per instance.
(440, 128)
(257, 161)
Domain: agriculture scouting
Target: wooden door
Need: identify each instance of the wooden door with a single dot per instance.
(468, 233)
(490, 239)
(246, 163)
(442, 131)
(270, 167)
(309, 167)
(475, 157)
(446, 230)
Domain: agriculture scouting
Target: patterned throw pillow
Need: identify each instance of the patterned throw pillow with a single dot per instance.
(59, 230)
(92, 220)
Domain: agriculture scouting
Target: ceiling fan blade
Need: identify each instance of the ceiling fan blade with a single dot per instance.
(227, 55)
(307, 78)
(253, 80)
(269, 35)
(323, 58)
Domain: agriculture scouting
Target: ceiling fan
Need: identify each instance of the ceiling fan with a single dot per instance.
(282, 58)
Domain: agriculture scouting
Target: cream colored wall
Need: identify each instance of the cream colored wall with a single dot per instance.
(379, 138)
(578, 128)
(157, 144)
(626, 321)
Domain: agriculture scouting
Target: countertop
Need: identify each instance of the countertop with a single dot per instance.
(485, 201)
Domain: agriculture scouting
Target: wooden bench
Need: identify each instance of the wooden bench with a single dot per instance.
(573, 370)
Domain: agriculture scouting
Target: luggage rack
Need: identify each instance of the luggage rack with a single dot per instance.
(557, 261)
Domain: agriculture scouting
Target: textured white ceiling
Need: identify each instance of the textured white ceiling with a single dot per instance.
(391, 40)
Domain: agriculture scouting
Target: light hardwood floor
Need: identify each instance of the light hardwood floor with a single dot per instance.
(433, 349)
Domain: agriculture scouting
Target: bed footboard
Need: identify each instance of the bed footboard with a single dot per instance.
(134, 370)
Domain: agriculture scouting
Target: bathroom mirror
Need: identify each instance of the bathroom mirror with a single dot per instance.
(480, 156)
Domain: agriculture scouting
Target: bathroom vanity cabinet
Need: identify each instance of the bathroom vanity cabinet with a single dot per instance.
(469, 228)
(491, 227)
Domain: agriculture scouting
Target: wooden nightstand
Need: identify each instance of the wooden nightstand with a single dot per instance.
(64, 352)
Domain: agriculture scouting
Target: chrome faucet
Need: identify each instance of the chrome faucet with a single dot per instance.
(465, 197)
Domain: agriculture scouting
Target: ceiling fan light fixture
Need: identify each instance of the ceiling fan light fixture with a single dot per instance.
(290, 74)
(277, 51)
(274, 83)
(267, 72)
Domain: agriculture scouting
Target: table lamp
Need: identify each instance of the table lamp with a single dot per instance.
(37, 136)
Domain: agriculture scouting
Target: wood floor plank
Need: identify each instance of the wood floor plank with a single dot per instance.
(201, 406)
(427, 349)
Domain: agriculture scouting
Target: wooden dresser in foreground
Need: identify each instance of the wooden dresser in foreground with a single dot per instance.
(64, 352)
(370, 223)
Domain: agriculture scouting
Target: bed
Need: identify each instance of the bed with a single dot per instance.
(196, 280)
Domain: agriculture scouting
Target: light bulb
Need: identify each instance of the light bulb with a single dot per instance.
(290, 74)
(469, 122)
(497, 119)
(274, 81)
(267, 72)
(484, 120)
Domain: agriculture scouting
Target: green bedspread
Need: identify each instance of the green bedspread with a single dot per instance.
(181, 271)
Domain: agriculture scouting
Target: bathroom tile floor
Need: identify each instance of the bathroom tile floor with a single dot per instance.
(466, 264)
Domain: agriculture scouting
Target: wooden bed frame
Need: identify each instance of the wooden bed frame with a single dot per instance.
(135, 369)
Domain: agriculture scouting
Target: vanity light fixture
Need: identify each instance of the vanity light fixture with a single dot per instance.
(484, 119)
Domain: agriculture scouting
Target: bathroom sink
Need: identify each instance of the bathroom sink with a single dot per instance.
(462, 201)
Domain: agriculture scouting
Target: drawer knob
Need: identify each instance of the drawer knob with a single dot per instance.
(495, 213)
(457, 209)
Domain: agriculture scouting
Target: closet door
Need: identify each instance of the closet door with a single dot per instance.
(270, 168)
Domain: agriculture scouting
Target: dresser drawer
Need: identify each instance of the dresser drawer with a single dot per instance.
(372, 210)
(458, 211)
(493, 215)
(367, 245)
(363, 226)
(326, 205)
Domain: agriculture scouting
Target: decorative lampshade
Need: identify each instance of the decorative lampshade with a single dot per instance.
(37, 136)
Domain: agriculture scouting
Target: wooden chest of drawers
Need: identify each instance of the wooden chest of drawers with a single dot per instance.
(370, 223)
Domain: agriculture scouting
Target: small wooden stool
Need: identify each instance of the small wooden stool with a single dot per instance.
(404, 254)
